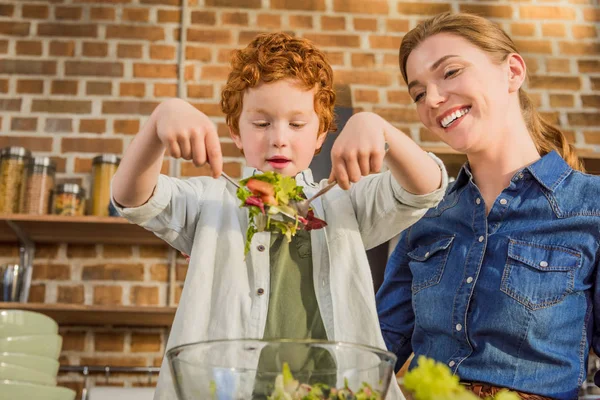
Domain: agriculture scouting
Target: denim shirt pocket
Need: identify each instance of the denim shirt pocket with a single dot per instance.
(539, 275)
(427, 263)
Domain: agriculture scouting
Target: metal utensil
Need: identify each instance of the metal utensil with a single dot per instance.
(303, 206)
(12, 282)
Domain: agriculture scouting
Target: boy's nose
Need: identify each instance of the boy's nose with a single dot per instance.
(279, 136)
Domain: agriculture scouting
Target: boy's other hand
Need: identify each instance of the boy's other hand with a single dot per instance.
(189, 134)
(359, 149)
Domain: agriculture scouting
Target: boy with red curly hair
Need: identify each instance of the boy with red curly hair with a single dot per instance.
(278, 103)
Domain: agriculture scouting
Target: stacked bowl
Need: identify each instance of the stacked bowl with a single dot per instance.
(29, 350)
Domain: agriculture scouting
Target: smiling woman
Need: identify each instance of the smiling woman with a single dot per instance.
(499, 280)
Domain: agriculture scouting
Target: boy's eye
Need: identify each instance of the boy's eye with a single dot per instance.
(260, 124)
(297, 124)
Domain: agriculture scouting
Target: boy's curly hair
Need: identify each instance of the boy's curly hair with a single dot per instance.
(274, 56)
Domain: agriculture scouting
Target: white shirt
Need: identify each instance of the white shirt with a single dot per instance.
(202, 217)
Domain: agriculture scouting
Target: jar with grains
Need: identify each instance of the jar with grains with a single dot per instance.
(68, 199)
(12, 177)
(39, 185)
(103, 168)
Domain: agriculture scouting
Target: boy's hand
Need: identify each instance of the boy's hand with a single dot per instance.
(359, 149)
(188, 133)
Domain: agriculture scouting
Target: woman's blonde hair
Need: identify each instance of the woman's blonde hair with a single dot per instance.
(490, 38)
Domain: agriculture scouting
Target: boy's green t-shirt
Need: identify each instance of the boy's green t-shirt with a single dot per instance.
(293, 314)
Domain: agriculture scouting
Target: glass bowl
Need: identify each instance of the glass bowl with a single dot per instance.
(247, 369)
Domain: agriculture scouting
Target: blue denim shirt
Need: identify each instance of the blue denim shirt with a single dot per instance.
(509, 298)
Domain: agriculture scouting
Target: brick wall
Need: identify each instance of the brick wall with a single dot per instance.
(79, 77)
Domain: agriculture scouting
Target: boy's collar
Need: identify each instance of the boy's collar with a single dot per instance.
(303, 178)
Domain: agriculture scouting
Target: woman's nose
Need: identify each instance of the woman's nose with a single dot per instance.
(434, 96)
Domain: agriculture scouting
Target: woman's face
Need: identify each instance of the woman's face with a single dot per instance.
(462, 95)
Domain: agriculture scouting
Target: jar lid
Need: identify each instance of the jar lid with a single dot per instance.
(15, 151)
(42, 161)
(72, 188)
(106, 159)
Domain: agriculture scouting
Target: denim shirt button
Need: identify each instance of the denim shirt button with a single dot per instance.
(503, 202)
(481, 238)
(478, 201)
(543, 264)
(451, 364)
(459, 327)
(469, 279)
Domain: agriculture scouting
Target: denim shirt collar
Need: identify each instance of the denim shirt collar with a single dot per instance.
(549, 171)
(303, 178)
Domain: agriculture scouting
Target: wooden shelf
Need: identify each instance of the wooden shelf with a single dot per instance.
(86, 229)
(80, 315)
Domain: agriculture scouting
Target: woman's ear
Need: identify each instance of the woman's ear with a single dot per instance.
(517, 71)
(236, 137)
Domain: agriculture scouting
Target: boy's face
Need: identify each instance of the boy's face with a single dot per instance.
(279, 128)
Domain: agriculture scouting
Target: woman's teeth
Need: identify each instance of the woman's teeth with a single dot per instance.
(447, 121)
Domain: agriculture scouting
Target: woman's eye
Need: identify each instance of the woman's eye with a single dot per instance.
(450, 73)
(419, 97)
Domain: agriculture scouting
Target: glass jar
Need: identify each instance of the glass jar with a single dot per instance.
(38, 189)
(68, 199)
(12, 177)
(103, 168)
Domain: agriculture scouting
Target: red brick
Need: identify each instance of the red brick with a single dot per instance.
(70, 294)
(129, 127)
(591, 14)
(32, 143)
(3, 46)
(234, 18)
(334, 40)
(66, 49)
(154, 251)
(554, 30)
(145, 342)
(590, 100)
(586, 66)
(129, 51)
(159, 273)
(584, 119)
(7, 10)
(384, 42)
(584, 31)
(363, 60)
(29, 48)
(14, 28)
(198, 53)
(245, 37)
(558, 65)
(58, 125)
(3, 85)
(23, 124)
(144, 296)
(562, 100)
(234, 3)
(423, 8)
(592, 137)
(132, 89)
(395, 25)
(10, 104)
(166, 16)
(80, 145)
(181, 272)
(268, 21)
(361, 7)
(400, 115)
(103, 13)
(109, 341)
(123, 361)
(62, 106)
(330, 23)
(81, 251)
(204, 18)
(534, 46)
(98, 88)
(114, 272)
(214, 73)
(116, 251)
(163, 2)
(68, 13)
(523, 29)
(200, 91)
(366, 96)
(136, 14)
(213, 36)
(212, 110)
(155, 70)
(68, 30)
(93, 68)
(580, 48)
(149, 33)
(35, 11)
(27, 67)
(546, 12)
(83, 166)
(64, 87)
(60, 272)
(554, 82)
(92, 126)
(162, 52)
(73, 341)
(488, 11)
(129, 107)
(37, 294)
(91, 49)
(301, 21)
(165, 90)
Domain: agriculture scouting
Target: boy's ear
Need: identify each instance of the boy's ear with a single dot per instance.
(321, 139)
(236, 137)
(517, 71)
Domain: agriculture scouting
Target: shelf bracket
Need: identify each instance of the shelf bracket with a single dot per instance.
(26, 253)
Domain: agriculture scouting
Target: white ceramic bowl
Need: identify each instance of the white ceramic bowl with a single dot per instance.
(22, 323)
(46, 365)
(23, 374)
(37, 345)
(13, 390)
